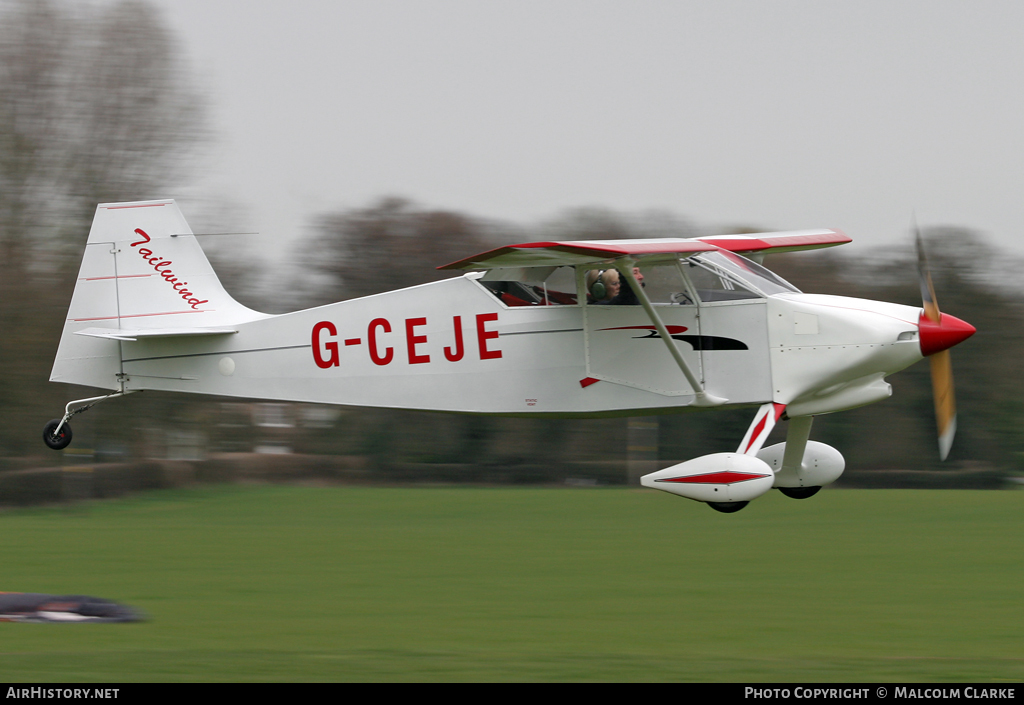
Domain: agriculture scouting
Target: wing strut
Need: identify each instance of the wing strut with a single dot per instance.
(625, 267)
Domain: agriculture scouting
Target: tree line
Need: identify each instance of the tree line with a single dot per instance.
(96, 105)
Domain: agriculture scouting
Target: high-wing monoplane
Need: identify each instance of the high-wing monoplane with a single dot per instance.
(570, 328)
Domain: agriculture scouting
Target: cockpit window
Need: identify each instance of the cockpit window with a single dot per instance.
(532, 286)
(713, 276)
(716, 283)
(560, 287)
(664, 285)
(743, 270)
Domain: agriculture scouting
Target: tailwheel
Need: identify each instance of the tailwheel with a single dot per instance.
(57, 433)
(799, 492)
(727, 507)
(57, 440)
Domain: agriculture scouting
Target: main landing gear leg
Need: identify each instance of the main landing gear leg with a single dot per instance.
(764, 421)
(726, 482)
(792, 460)
(57, 432)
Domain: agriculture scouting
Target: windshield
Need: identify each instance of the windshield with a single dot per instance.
(764, 280)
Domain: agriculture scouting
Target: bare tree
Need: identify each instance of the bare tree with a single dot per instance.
(136, 119)
(391, 244)
(594, 223)
(95, 105)
(33, 89)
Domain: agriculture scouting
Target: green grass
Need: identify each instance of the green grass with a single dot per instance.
(340, 583)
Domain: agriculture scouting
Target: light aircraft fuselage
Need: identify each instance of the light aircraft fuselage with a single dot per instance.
(526, 331)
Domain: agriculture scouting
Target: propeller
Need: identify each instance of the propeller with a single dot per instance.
(937, 333)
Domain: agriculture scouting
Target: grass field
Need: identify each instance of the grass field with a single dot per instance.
(339, 583)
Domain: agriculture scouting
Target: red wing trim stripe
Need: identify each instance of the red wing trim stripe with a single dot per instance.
(141, 205)
(587, 381)
(585, 248)
(752, 243)
(728, 477)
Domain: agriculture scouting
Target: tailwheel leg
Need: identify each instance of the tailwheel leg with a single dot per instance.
(57, 433)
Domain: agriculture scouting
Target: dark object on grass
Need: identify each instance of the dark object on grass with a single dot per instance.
(39, 607)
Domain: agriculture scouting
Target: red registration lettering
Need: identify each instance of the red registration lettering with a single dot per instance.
(459, 350)
(413, 340)
(371, 335)
(483, 336)
(331, 347)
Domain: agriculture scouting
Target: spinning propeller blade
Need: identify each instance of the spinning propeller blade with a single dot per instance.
(938, 332)
(945, 400)
(924, 278)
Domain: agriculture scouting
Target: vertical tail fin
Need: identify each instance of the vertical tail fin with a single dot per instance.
(142, 269)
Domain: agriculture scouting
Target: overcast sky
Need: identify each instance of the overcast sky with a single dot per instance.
(776, 114)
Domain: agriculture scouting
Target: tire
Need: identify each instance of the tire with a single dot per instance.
(60, 441)
(727, 507)
(799, 492)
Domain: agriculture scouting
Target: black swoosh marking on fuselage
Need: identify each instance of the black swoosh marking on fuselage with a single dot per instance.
(702, 342)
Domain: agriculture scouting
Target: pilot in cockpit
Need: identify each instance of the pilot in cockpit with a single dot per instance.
(606, 288)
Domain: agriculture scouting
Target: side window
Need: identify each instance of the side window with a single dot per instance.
(512, 293)
(532, 286)
(714, 284)
(664, 285)
(560, 287)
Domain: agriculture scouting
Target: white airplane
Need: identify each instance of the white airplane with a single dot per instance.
(563, 329)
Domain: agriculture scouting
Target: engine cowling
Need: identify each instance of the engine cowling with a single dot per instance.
(822, 465)
(719, 477)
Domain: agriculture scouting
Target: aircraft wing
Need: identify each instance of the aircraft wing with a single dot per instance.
(770, 243)
(575, 252)
(133, 335)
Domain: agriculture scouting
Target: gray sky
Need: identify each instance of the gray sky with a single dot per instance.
(778, 114)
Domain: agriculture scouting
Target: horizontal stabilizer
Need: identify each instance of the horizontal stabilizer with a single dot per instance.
(133, 335)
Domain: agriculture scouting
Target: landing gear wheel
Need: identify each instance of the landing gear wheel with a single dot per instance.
(61, 440)
(727, 507)
(799, 492)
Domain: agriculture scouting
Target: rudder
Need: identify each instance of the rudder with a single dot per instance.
(142, 269)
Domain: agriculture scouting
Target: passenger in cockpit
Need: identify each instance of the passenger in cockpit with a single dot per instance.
(606, 288)
(596, 292)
